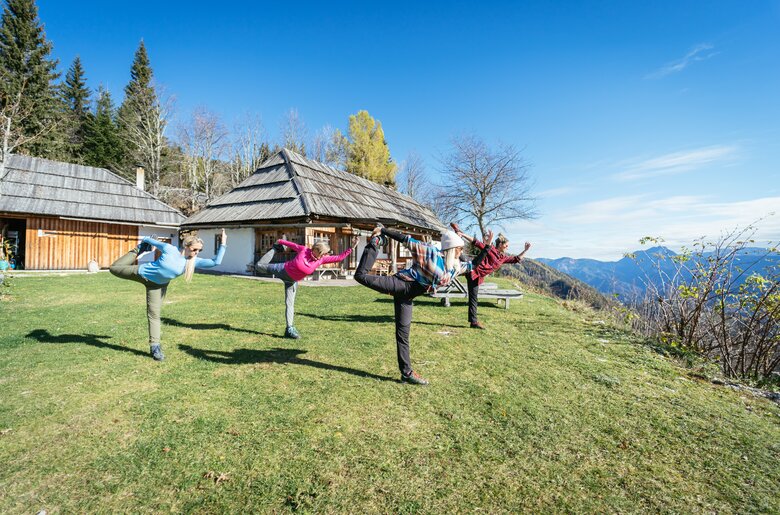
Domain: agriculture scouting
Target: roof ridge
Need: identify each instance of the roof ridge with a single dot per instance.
(84, 202)
(122, 179)
(368, 182)
(293, 178)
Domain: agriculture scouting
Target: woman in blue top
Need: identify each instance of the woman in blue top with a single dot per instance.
(156, 275)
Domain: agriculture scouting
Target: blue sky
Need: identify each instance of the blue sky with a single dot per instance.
(639, 118)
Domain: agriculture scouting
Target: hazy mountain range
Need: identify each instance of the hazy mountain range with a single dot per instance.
(628, 276)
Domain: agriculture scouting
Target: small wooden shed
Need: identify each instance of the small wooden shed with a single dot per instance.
(307, 201)
(61, 216)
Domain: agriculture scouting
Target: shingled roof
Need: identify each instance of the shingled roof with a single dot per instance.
(289, 186)
(38, 186)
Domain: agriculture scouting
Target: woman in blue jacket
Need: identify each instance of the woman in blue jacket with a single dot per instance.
(157, 274)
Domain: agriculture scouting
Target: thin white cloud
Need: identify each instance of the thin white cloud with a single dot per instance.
(676, 162)
(700, 52)
(607, 228)
(558, 192)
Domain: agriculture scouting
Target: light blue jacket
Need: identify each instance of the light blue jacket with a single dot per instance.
(170, 264)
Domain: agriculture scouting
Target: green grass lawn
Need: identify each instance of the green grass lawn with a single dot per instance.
(547, 410)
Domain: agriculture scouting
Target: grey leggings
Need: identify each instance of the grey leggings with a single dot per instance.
(125, 268)
(265, 267)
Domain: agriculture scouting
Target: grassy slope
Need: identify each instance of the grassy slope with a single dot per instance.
(546, 410)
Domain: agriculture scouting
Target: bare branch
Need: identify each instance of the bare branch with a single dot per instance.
(486, 186)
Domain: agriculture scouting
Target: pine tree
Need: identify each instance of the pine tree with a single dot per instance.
(139, 95)
(369, 156)
(28, 73)
(75, 91)
(75, 95)
(141, 75)
(143, 120)
(102, 143)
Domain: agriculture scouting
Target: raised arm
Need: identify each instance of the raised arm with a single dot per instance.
(473, 239)
(343, 255)
(160, 245)
(294, 246)
(519, 257)
(421, 251)
(336, 259)
(397, 236)
(210, 263)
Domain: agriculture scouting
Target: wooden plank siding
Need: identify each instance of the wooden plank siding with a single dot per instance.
(57, 244)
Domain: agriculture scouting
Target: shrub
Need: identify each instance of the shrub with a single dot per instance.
(718, 299)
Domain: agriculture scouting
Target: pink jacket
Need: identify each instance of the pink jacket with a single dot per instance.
(304, 262)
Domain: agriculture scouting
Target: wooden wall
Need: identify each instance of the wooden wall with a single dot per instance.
(55, 244)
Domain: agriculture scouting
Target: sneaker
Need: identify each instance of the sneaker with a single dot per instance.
(413, 378)
(378, 241)
(477, 325)
(292, 332)
(157, 353)
(143, 247)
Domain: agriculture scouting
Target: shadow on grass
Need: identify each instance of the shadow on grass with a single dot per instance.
(378, 319)
(276, 355)
(457, 302)
(43, 336)
(224, 327)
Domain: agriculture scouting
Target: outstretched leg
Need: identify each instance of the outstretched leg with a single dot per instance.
(387, 284)
(262, 266)
(125, 267)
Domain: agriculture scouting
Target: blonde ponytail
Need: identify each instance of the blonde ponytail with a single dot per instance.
(189, 269)
(449, 259)
(189, 266)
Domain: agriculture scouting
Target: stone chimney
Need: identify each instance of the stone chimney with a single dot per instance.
(139, 177)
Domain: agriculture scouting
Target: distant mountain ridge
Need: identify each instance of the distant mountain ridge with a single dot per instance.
(554, 283)
(627, 276)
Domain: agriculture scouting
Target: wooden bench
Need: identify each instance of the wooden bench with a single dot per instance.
(486, 291)
(325, 271)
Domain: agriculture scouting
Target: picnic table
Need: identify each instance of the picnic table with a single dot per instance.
(456, 289)
(325, 271)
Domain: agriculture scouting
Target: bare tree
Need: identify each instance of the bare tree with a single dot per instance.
(148, 117)
(246, 153)
(331, 147)
(413, 180)
(319, 143)
(203, 139)
(190, 162)
(293, 132)
(13, 112)
(485, 186)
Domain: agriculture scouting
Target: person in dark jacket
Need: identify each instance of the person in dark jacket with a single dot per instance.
(431, 269)
(489, 259)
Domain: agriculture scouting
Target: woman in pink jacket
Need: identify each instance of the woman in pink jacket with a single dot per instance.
(290, 272)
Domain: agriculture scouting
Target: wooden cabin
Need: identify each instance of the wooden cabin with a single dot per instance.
(61, 216)
(307, 201)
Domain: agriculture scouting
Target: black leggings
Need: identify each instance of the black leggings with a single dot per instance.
(403, 293)
(473, 287)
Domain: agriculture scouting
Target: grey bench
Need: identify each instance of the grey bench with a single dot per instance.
(486, 291)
